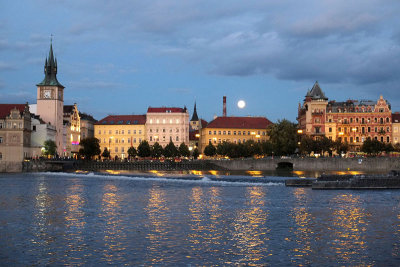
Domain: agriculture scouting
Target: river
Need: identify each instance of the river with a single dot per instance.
(179, 220)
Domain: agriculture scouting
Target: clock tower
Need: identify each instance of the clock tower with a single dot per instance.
(50, 99)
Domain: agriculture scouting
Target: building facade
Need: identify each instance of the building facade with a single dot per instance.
(87, 125)
(195, 126)
(234, 130)
(72, 124)
(118, 133)
(396, 128)
(352, 121)
(41, 131)
(15, 132)
(167, 124)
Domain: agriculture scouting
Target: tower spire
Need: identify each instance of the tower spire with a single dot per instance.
(50, 68)
(194, 117)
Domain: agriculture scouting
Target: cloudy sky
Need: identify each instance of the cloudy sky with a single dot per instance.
(119, 57)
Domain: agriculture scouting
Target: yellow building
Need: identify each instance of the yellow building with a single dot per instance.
(119, 132)
(234, 130)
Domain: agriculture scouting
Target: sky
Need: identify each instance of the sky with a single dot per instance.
(122, 56)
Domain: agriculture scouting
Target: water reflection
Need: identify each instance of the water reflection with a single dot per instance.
(42, 204)
(349, 226)
(250, 229)
(114, 234)
(75, 221)
(157, 211)
(303, 230)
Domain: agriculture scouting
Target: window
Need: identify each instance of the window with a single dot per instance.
(116, 131)
(387, 139)
(122, 132)
(1, 156)
(129, 131)
(369, 129)
(362, 120)
(209, 132)
(239, 132)
(140, 131)
(151, 130)
(116, 149)
(122, 140)
(229, 132)
(129, 140)
(330, 129)
(219, 132)
(177, 120)
(234, 132)
(177, 138)
(99, 131)
(163, 121)
(387, 119)
(215, 132)
(163, 130)
(224, 132)
(134, 131)
(363, 129)
(1, 140)
(151, 138)
(134, 140)
(122, 149)
(158, 121)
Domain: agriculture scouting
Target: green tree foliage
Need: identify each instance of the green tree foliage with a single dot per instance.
(157, 150)
(267, 148)
(195, 153)
(132, 152)
(283, 135)
(184, 150)
(372, 147)
(50, 148)
(210, 150)
(90, 147)
(170, 150)
(106, 153)
(340, 147)
(144, 149)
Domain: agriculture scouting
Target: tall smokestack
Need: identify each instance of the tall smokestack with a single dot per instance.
(224, 107)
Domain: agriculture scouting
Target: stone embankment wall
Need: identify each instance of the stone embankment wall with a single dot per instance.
(379, 164)
(10, 166)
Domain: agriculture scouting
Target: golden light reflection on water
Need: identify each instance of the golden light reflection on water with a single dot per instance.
(303, 230)
(114, 172)
(158, 173)
(42, 205)
(255, 173)
(205, 215)
(75, 216)
(196, 172)
(157, 210)
(349, 225)
(250, 229)
(113, 231)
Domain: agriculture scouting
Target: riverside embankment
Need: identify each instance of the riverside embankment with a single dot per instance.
(369, 165)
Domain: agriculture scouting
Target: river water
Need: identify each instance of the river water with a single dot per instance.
(98, 219)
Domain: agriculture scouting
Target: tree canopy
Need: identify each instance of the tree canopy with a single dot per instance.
(50, 148)
(144, 149)
(90, 147)
(210, 150)
(157, 150)
(283, 136)
(170, 150)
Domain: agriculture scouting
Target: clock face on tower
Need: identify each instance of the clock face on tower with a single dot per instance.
(47, 94)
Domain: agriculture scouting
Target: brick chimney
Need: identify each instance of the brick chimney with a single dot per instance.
(224, 107)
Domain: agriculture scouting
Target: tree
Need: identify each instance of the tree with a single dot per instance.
(144, 149)
(50, 148)
(170, 150)
(307, 145)
(283, 135)
(267, 148)
(106, 153)
(90, 147)
(132, 152)
(195, 153)
(209, 150)
(184, 150)
(372, 147)
(157, 150)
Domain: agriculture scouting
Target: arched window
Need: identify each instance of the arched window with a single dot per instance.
(1, 156)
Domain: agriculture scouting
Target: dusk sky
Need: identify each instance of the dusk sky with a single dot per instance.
(120, 57)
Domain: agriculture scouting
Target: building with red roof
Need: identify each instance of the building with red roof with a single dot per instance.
(118, 133)
(235, 130)
(165, 124)
(15, 133)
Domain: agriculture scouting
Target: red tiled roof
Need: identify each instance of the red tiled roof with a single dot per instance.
(6, 108)
(240, 123)
(122, 120)
(165, 110)
(203, 123)
(395, 117)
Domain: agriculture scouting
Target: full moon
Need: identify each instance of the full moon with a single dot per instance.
(241, 104)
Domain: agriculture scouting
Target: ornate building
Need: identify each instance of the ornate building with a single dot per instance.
(15, 133)
(50, 99)
(195, 126)
(72, 124)
(352, 121)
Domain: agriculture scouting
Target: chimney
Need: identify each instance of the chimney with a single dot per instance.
(224, 107)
